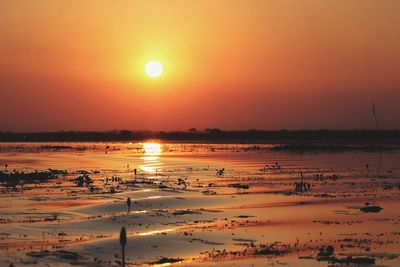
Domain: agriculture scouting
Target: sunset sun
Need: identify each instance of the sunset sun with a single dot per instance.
(153, 68)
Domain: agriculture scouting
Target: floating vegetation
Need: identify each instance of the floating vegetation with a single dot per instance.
(185, 212)
(240, 186)
(326, 253)
(166, 261)
(368, 208)
(275, 249)
(61, 254)
(83, 180)
(209, 192)
(220, 172)
(16, 178)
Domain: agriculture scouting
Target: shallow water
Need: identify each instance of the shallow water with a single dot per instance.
(182, 208)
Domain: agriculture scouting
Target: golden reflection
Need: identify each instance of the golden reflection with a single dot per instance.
(148, 168)
(152, 152)
(154, 197)
(152, 149)
(156, 232)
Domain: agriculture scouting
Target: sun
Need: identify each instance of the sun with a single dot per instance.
(153, 68)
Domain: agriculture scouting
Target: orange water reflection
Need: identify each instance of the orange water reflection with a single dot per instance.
(151, 157)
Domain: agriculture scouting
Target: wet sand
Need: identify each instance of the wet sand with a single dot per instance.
(197, 205)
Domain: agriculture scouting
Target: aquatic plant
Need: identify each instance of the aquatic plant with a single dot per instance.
(240, 186)
(122, 241)
(374, 209)
(165, 261)
(183, 182)
(325, 253)
(83, 179)
(20, 178)
(220, 172)
(128, 203)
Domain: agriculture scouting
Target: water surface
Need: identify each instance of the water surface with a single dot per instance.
(199, 204)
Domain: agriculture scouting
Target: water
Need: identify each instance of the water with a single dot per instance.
(183, 208)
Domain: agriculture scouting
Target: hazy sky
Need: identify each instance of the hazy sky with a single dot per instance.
(79, 65)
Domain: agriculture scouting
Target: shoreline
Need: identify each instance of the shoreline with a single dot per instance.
(216, 136)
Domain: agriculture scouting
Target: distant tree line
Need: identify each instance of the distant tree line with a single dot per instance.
(211, 135)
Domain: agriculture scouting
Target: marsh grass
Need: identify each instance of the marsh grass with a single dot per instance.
(16, 178)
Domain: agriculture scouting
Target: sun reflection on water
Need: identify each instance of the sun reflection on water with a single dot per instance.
(151, 156)
(152, 149)
(156, 232)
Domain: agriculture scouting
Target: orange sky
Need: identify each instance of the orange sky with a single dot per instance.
(230, 64)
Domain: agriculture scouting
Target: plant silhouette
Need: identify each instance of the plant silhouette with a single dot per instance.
(122, 241)
(128, 202)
